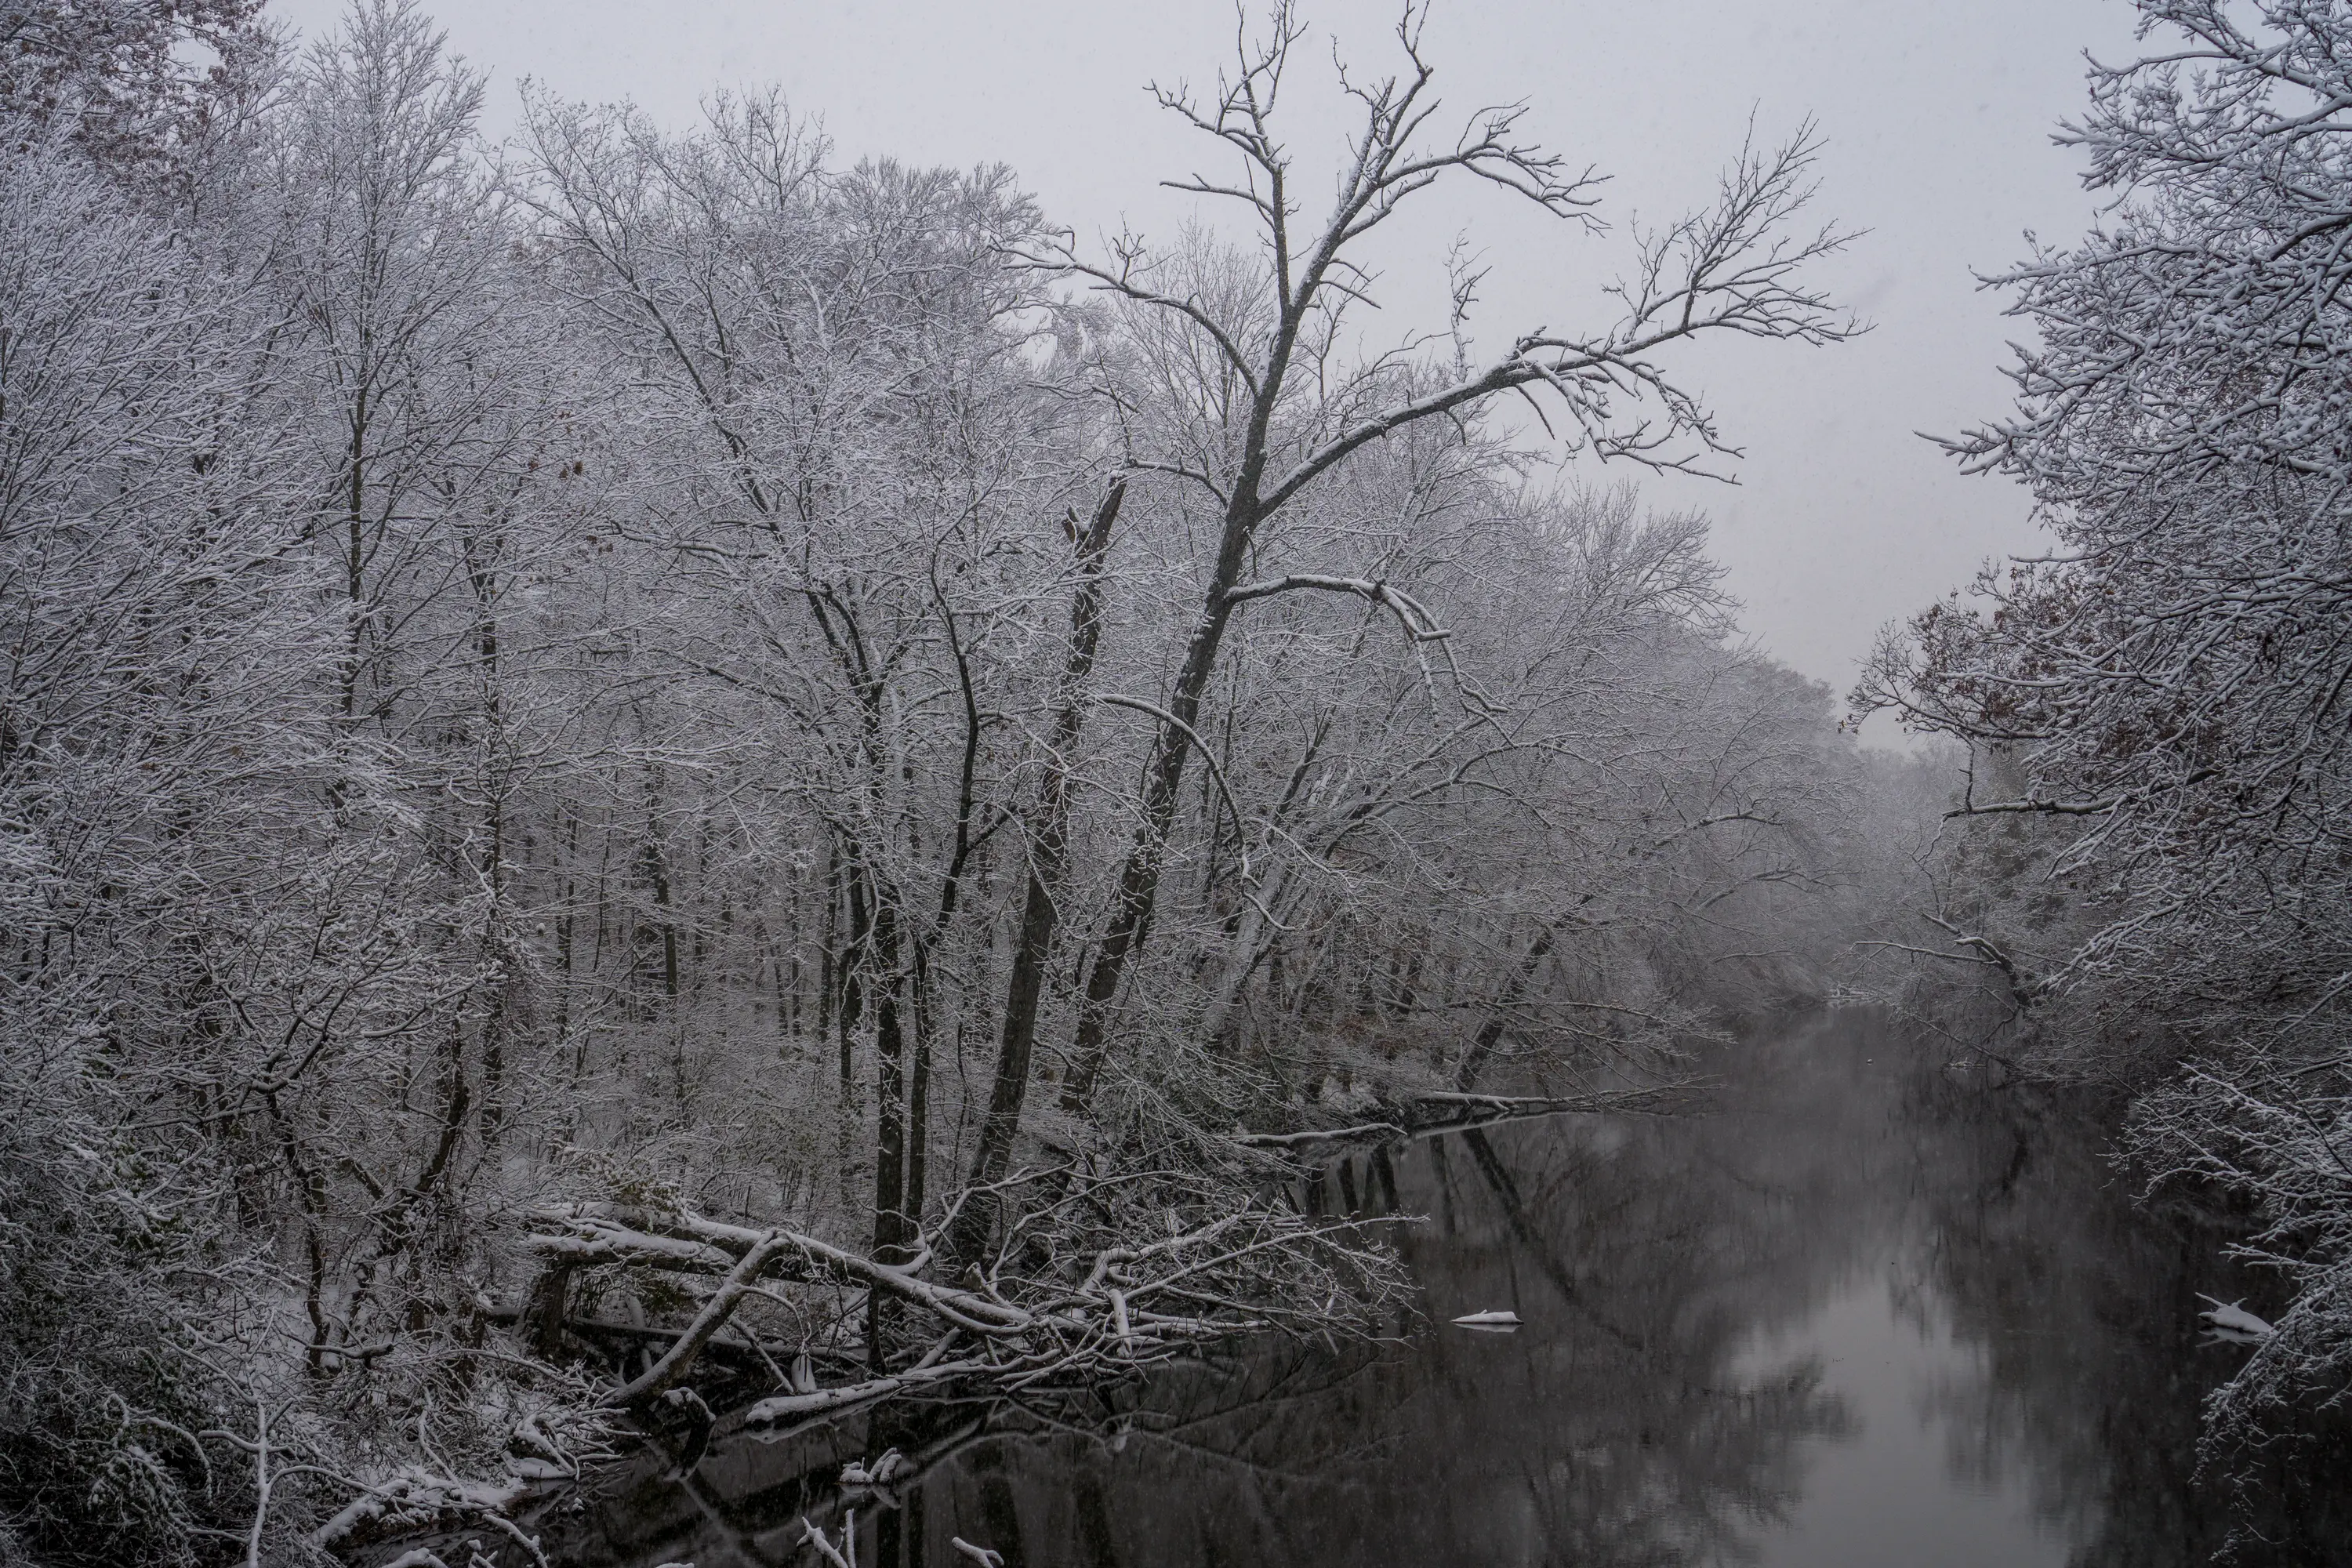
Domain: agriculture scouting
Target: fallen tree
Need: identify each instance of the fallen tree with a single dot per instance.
(1099, 1275)
(1428, 1114)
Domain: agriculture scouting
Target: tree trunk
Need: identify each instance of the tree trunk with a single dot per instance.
(1138, 878)
(891, 1226)
(1490, 1034)
(1048, 831)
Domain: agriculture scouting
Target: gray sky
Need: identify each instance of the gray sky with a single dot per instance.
(1938, 117)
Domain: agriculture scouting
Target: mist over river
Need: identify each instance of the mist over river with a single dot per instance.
(1863, 1306)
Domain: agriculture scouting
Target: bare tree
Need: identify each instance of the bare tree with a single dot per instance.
(1732, 268)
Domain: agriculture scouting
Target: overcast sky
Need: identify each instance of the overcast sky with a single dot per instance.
(1938, 117)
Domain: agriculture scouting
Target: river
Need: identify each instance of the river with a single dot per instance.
(1863, 1307)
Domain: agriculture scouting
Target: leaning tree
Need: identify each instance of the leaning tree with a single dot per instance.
(1248, 398)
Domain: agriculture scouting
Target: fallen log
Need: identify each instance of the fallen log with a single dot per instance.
(613, 1233)
(1361, 1132)
(679, 1360)
(1447, 1111)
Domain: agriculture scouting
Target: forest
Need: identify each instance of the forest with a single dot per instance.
(641, 747)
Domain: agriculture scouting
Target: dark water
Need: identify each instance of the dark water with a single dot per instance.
(1863, 1311)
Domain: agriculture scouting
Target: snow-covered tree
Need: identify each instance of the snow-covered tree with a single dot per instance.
(158, 760)
(2169, 691)
(136, 84)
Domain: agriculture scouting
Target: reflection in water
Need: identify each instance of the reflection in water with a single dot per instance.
(1865, 1311)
